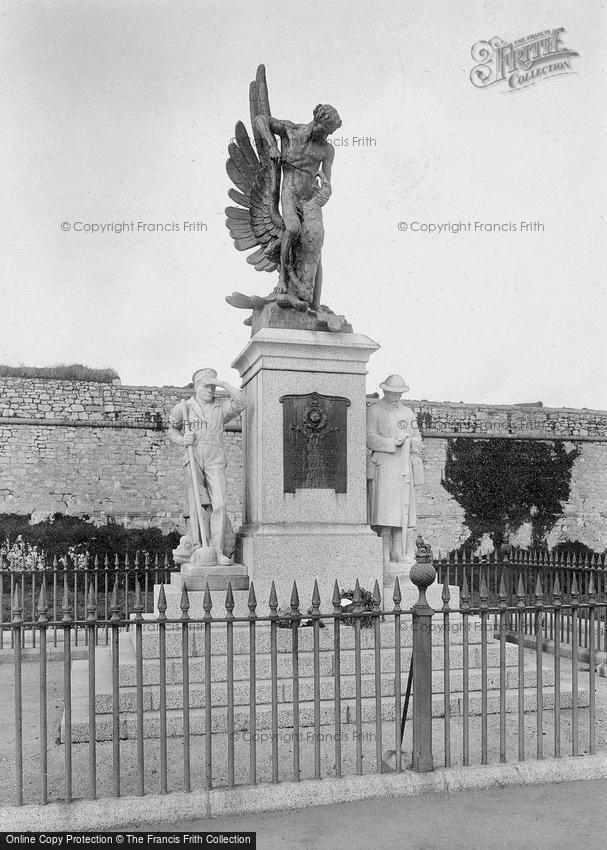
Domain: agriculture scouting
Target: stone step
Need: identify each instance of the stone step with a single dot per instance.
(409, 595)
(263, 691)
(174, 677)
(219, 724)
(284, 636)
(174, 667)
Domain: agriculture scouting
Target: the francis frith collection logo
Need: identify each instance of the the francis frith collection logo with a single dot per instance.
(521, 63)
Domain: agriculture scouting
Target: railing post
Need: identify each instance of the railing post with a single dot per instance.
(91, 627)
(138, 610)
(67, 686)
(42, 620)
(17, 625)
(115, 626)
(422, 575)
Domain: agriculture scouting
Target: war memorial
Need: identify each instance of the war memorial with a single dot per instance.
(320, 642)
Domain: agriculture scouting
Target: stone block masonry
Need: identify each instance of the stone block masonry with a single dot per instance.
(584, 517)
(101, 450)
(97, 449)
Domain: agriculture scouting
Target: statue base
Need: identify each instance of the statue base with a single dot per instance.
(195, 579)
(272, 315)
(303, 553)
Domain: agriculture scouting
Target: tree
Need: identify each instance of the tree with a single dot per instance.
(502, 484)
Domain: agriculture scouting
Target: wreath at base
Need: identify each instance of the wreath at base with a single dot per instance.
(286, 619)
(347, 605)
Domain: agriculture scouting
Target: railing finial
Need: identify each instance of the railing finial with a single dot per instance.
(315, 599)
(273, 602)
(162, 603)
(422, 573)
(91, 603)
(184, 603)
(396, 594)
(229, 603)
(42, 603)
(294, 598)
(376, 596)
(336, 598)
(252, 600)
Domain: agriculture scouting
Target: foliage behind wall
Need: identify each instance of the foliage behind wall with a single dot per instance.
(502, 484)
(60, 372)
(59, 533)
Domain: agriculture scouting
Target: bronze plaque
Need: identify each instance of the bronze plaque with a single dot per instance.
(314, 442)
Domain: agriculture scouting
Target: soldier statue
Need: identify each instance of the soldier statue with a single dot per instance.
(197, 424)
(394, 469)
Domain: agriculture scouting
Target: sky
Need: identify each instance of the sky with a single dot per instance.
(122, 112)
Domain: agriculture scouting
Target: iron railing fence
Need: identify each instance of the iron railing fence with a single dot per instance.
(566, 575)
(218, 701)
(102, 573)
(152, 570)
(526, 564)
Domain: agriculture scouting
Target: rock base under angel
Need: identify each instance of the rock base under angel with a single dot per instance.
(281, 195)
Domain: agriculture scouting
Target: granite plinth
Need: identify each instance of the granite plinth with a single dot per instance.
(173, 593)
(194, 577)
(277, 363)
(305, 553)
(314, 532)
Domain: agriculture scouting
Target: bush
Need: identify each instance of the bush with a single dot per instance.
(60, 372)
(71, 536)
(20, 555)
(502, 484)
(573, 547)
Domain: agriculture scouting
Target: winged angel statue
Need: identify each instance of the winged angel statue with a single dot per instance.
(282, 222)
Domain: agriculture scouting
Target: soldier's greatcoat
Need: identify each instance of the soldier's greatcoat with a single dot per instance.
(392, 471)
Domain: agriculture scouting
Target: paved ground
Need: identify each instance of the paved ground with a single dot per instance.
(56, 751)
(555, 816)
(56, 754)
(567, 815)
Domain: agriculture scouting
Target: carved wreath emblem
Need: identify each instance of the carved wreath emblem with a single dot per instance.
(314, 420)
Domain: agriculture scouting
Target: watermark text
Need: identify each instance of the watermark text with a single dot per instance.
(117, 227)
(455, 227)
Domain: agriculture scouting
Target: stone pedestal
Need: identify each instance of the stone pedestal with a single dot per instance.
(218, 585)
(218, 578)
(314, 532)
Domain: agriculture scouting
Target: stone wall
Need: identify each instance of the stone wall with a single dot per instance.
(584, 519)
(102, 450)
(522, 420)
(84, 401)
(97, 449)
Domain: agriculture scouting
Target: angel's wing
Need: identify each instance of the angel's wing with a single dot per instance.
(256, 221)
(259, 103)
